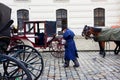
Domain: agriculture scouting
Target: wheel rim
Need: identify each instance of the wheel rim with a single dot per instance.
(13, 69)
(56, 49)
(31, 58)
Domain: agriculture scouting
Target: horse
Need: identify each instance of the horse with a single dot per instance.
(88, 31)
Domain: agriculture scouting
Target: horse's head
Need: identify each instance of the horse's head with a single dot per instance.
(86, 32)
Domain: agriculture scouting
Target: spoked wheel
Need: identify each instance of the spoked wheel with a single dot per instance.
(30, 57)
(13, 69)
(56, 49)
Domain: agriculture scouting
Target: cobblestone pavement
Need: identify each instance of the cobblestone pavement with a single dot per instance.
(92, 67)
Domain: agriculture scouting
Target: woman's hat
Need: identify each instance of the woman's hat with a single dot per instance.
(64, 27)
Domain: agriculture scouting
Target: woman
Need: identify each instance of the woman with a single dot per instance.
(70, 48)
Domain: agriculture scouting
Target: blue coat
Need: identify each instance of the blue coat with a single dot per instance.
(70, 47)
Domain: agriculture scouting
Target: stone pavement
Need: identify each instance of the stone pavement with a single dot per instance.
(92, 67)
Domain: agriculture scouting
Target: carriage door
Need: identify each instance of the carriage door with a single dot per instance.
(22, 15)
(99, 17)
(61, 19)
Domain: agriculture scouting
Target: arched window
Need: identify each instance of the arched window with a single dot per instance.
(99, 17)
(22, 15)
(61, 18)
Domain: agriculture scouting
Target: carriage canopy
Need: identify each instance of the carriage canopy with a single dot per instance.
(50, 28)
(5, 14)
(47, 27)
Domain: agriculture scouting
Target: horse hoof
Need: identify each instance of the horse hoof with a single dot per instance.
(100, 53)
(104, 55)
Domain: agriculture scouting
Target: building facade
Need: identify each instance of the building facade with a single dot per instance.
(72, 13)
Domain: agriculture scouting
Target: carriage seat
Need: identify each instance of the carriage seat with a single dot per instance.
(4, 42)
(40, 40)
(5, 36)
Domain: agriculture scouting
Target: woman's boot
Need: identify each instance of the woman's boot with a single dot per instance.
(76, 63)
(66, 64)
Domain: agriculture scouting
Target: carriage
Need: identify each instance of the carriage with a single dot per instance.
(41, 34)
(19, 61)
(10, 67)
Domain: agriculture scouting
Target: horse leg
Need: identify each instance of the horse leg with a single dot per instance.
(100, 51)
(102, 48)
(117, 48)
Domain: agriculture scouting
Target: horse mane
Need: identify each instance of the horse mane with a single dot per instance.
(97, 29)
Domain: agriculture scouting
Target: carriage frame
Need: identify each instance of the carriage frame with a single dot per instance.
(40, 37)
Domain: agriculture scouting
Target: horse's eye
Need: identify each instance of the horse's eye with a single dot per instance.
(88, 33)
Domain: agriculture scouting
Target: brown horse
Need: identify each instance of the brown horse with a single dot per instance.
(88, 31)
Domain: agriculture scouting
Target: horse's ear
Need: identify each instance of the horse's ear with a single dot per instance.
(85, 25)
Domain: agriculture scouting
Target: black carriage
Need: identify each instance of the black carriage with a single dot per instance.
(10, 67)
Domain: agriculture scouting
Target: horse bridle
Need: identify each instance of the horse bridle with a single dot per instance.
(86, 32)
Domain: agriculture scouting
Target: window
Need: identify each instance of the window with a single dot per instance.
(61, 0)
(61, 18)
(21, 0)
(22, 15)
(98, 0)
(99, 17)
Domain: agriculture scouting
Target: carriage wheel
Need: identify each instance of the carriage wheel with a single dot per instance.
(56, 49)
(13, 69)
(31, 58)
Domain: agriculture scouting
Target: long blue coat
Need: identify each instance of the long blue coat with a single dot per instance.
(70, 47)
